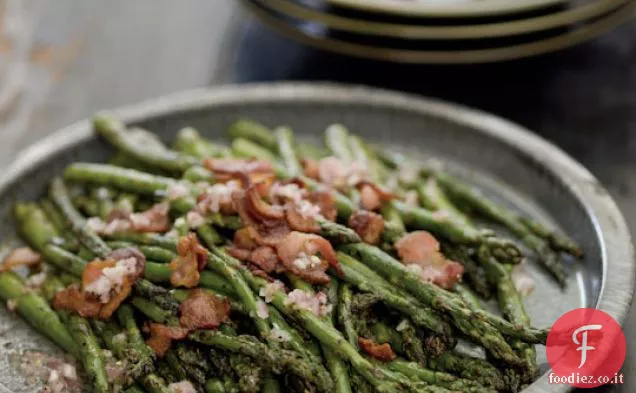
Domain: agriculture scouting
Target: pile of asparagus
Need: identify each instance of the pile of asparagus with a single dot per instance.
(373, 295)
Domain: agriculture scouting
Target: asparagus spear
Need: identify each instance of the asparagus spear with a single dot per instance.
(277, 360)
(286, 144)
(367, 280)
(36, 311)
(89, 352)
(115, 133)
(337, 140)
(60, 195)
(344, 315)
(337, 368)
(54, 216)
(521, 226)
(420, 218)
(153, 253)
(511, 306)
(253, 131)
(548, 259)
(438, 378)
(135, 340)
(189, 141)
(483, 327)
(510, 302)
(383, 380)
(35, 227)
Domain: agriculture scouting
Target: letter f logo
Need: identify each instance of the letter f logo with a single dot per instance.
(584, 347)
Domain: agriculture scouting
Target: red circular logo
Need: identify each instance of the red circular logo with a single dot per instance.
(585, 348)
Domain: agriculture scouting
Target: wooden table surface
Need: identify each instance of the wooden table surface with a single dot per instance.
(94, 54)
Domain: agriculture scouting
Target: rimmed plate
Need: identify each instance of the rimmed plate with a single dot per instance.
(451, 9)
(505, 160)
(469, 30)
(317, 36)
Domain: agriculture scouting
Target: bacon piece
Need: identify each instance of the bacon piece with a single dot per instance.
(202, 310)
(161, 336)
(22, 256)
(239, 253)
(117, 299)
(267, 231)
(372, 195)
(333, 172)
(265, 257)
(105, 284)
(381, 352)
(217, 198)
(369, 199)
(246, 248)
(325, 200)
(130, 252)
(298, 253)
(71, 298)
(191, 259)
(420, 251)
(299, 221)
(368, 225)
(311, 168)
(155, 219)
(261, 209)
(244, 238)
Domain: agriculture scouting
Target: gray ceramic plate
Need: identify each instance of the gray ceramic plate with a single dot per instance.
(504, 159)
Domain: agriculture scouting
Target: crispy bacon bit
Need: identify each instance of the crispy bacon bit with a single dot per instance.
(191, 259)
(161, 336)
(372, 195)
(217, 198)
(381, 352)
(265, 257)
(317, 303)
(246, 248)
(369, 199)
(235, 165)
(154, 219)
(335, 173)
(71, 298)
(307, 256)
(302, 217)
(290, 191)
(22, 256)
(325, 200)
(262, 209)
(269, 231)
(105, 284)
(311, 168)
(202, 310)
(421, 252)
(368, 225)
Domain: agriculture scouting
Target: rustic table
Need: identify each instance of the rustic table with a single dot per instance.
(94, 54)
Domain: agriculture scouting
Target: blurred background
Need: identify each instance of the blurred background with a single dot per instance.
(566, 70)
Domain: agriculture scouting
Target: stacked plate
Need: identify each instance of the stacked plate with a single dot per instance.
(442, 31)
